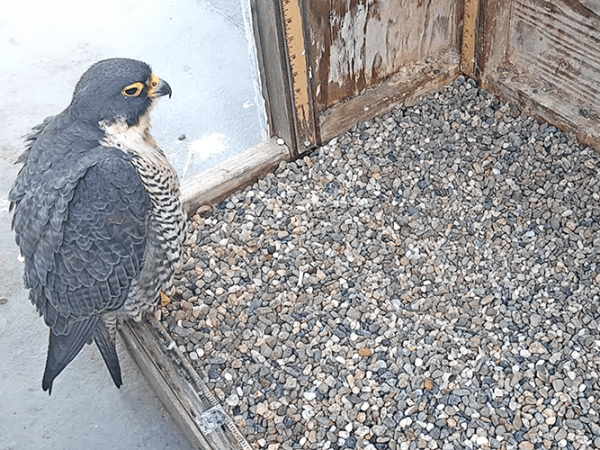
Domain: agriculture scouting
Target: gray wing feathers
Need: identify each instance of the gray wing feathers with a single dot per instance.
(82, 229)
(31, 138)
(102, 245)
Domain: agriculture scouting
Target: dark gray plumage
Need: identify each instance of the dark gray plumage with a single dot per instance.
(97, 214)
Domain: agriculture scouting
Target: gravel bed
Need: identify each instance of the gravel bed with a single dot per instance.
(428, 280)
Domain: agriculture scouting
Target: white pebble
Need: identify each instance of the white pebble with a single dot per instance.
(310, 396)
(406, 422)
(525, 353)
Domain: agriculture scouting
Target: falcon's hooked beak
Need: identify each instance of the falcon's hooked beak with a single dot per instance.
(158, 87)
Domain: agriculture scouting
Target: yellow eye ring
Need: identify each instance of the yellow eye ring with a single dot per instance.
(133, 90)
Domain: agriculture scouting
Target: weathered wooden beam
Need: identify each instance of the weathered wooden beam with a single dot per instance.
(547, 107)
(269, 38)
(407, 84)
(203, 421)
(355, 45)
(544, 56)
(215, 184)
(491, 42)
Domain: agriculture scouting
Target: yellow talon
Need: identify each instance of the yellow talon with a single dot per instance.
(164, 299)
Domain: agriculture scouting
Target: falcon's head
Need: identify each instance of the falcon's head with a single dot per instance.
(117, 90)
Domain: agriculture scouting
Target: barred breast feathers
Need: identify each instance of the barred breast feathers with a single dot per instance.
(167, 224)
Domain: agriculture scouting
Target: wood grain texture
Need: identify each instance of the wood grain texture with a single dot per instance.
(550, 65)
(493, 30)
(545, 106)
(179, 387)
(555, 47)
(354, 45)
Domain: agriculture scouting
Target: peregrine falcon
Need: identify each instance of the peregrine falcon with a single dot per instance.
(97, 213)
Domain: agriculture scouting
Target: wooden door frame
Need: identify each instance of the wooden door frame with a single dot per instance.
(277, 76)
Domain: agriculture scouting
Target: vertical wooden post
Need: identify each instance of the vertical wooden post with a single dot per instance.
(279, 35)
(296, 54)
(271, 53)
(491, 45)
(469, 34)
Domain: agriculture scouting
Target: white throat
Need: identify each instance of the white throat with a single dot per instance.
(135, 140)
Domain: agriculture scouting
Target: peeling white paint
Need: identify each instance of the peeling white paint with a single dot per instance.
(360, 40)
(346, 50)
(393, 36)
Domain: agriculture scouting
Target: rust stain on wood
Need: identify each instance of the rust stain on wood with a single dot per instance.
(355, 45)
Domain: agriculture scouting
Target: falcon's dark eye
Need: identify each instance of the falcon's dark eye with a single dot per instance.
(133, 90)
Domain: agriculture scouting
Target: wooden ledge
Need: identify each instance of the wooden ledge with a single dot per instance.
(192, 405)
(212, 186)
(548, 105)
(408, 84)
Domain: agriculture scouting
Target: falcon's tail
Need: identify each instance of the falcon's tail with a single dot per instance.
(64, 347)
(106, 345)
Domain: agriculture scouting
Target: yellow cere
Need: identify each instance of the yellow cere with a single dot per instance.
(154, 81)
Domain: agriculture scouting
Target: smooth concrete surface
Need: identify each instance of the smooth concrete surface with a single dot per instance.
(200, 48)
